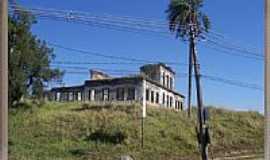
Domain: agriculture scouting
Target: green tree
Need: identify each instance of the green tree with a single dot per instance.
(188, 22)
(29, 59)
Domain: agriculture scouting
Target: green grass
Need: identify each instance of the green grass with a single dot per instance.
(74, 131)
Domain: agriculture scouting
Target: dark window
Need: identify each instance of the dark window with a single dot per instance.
(181, 106)
(168, 101)
(75, 96)
(163, 77)
(131, 94)
(163, 98)
(168, 81)
(147, 94)
(157, 98)
(120, 93)
(176, 105)
(171, 99)
(152, 97)
(66, 96)
(63, 95)
(171, 83)
(105, 94)
(97, 92)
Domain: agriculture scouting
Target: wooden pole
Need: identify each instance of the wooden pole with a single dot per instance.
(190, 64)
(201, 119)
(189, 79)
(3, 80)
(203, 145)
(267, 80)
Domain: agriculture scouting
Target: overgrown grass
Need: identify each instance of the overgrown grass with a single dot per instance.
(75, 131)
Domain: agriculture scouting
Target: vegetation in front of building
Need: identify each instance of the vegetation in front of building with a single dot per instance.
(80, 131)
(29, 60)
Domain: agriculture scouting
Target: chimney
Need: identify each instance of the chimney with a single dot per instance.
(98, 75)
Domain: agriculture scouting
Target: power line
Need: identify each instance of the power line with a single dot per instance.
(98, 54)
(230, 49)
(96, 63)
(87, 73)
(233, 82)
(178, 75)
(245, 51)
(102, 69)
(230, 52)
(71, 16)
(224, 38)
(114, 22)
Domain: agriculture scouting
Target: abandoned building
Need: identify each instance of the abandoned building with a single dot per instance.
(155, 85)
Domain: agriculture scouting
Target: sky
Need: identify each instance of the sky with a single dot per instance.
(241, 21)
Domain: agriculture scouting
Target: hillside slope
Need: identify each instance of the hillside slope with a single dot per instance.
(73, 131)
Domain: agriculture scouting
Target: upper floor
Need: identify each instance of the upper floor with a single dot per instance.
(160, 73)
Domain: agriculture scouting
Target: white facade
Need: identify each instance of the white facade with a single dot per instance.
(155, 87)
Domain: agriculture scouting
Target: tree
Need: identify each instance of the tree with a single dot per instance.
(29, 59)
(188, 22)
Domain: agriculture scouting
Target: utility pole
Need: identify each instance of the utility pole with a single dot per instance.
(3, 80)
(190, 63)
(193, 59)
(189, 79)
(202, 126)
(267, 81)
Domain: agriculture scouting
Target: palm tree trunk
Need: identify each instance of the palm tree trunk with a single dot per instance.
(189, 78)
(203, 143)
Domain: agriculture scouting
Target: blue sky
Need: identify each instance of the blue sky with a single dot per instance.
(239, 20)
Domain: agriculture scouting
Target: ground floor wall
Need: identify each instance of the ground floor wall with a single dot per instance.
(120, 92)
(63, 95)
(137, 91)
(158, 96)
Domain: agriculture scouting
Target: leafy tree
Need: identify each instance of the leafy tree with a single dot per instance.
(188, 22)
(29, 59)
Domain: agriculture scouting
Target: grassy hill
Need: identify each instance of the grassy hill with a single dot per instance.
(74, 131)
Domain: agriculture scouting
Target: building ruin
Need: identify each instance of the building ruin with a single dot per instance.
(155, 84)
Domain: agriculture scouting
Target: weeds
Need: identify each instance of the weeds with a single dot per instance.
(84, 131)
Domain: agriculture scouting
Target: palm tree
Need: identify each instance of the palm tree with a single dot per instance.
(188, 22)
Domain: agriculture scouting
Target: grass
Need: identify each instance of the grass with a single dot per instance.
(77, 131)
